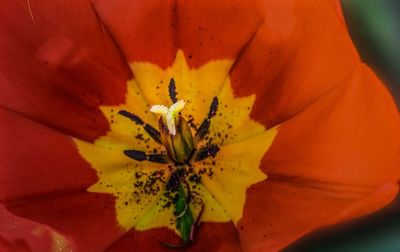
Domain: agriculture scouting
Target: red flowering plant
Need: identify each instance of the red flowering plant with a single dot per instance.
(132, 125)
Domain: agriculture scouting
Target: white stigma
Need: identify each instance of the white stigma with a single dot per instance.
(169, 114)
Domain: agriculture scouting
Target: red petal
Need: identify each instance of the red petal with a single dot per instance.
(301, 51)
(88, 218)
(37, 160)
(337, 159)
(43, 178)
(351, 135)
(153, 30)
(18, 235)
(210, 237)
(58, 66)
(210, 30)
(290, 211)
(144, 29)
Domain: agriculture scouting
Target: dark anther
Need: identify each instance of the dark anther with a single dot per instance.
(157, 158)
(151, 131)
(203, 129)
(213, 150)
(202, 154)
(136, 155)
(131, 116)
(172, 90)
(205, 125)
(205, 152)
(213, 108)
(142, 156)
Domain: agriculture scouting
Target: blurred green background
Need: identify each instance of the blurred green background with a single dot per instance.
(374, 26)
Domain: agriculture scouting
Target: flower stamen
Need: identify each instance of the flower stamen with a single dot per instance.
(150, 130)
(205, 125)
(181, 150)
(142, 156)
(207, 151)
(172, 91)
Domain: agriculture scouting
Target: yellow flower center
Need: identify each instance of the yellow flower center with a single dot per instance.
(221, 182)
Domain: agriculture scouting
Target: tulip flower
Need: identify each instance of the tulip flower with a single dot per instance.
(134, 125)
